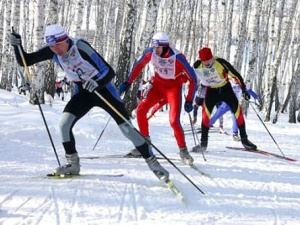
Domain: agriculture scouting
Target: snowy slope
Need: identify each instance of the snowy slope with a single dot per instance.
(246, 188)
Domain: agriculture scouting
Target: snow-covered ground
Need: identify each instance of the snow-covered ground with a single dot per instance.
(245, 188)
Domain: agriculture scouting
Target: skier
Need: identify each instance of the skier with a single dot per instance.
(223, 108)
(89, 72)
(170, 70)
(213, 72)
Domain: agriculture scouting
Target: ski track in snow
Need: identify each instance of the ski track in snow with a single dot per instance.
(246, 188)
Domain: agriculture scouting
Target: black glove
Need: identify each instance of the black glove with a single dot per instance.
(188, 106)
(124, 87)
(15, 39)
(199, 101)
(246, 95)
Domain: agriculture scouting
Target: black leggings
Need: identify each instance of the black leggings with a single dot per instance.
(82, 102)
(214, 96)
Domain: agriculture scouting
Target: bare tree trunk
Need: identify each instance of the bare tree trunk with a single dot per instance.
(229, 31)
(295, 84)
(208, 23)
(12, 78)
(126, 43)
(193, 47)
(98, 41)
(38, 77)
(6, 51)
(109, 34)
(78, 16)
(242, 37)
(278, 59)
(88, 14)
(50, 76)
(216, 28)
(189, 22)
(254, 38)
(268, 79)
(117, 32)
(1, 30)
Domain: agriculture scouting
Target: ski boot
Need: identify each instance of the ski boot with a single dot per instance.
(196, 149)
(248, 144)
(235, 137)
(72, 166)
(157, 169)
(203, 146)
(185, 156)
(134, 153)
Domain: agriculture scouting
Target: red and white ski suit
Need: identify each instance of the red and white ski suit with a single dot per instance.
(169, 73)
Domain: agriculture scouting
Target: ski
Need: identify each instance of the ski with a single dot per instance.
(175, 190)
(198, 131)
(196, 168)
(70, 176)
(120, 156)
(259, 151)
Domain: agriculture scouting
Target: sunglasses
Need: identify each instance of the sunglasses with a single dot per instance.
(52, 40)
(157, 43)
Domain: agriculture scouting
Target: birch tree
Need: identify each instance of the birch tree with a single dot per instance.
(38, 77)
(126, 41)
(109, 33)
(15, 23)
(98, 41)
(229, 30)
(242, 37)
(254, 39)
(6, 59)
(189, 21)
(88, 4)
(278, 58)
(1, 29)
(50, 76)
(295, 83)
(78, 16)
(117, 32)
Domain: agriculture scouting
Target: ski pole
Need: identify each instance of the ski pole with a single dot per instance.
(147, 141)
(39, 105)
(49, 134)
(193, 131)
(101, 133)
(267, 129)
(195, 134)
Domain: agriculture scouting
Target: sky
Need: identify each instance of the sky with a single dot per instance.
(242, 187)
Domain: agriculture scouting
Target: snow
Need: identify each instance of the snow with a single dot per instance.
(246, 188)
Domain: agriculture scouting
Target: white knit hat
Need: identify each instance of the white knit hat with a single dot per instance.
(54, 34)
(160, 39)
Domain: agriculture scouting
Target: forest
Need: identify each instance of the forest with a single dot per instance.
(260, 38)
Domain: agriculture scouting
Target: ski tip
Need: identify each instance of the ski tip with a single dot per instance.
(175, 190)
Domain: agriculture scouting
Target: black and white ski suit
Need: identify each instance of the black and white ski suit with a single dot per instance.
(82, 63)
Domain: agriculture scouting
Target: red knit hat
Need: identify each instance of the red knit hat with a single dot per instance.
(205, 54)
